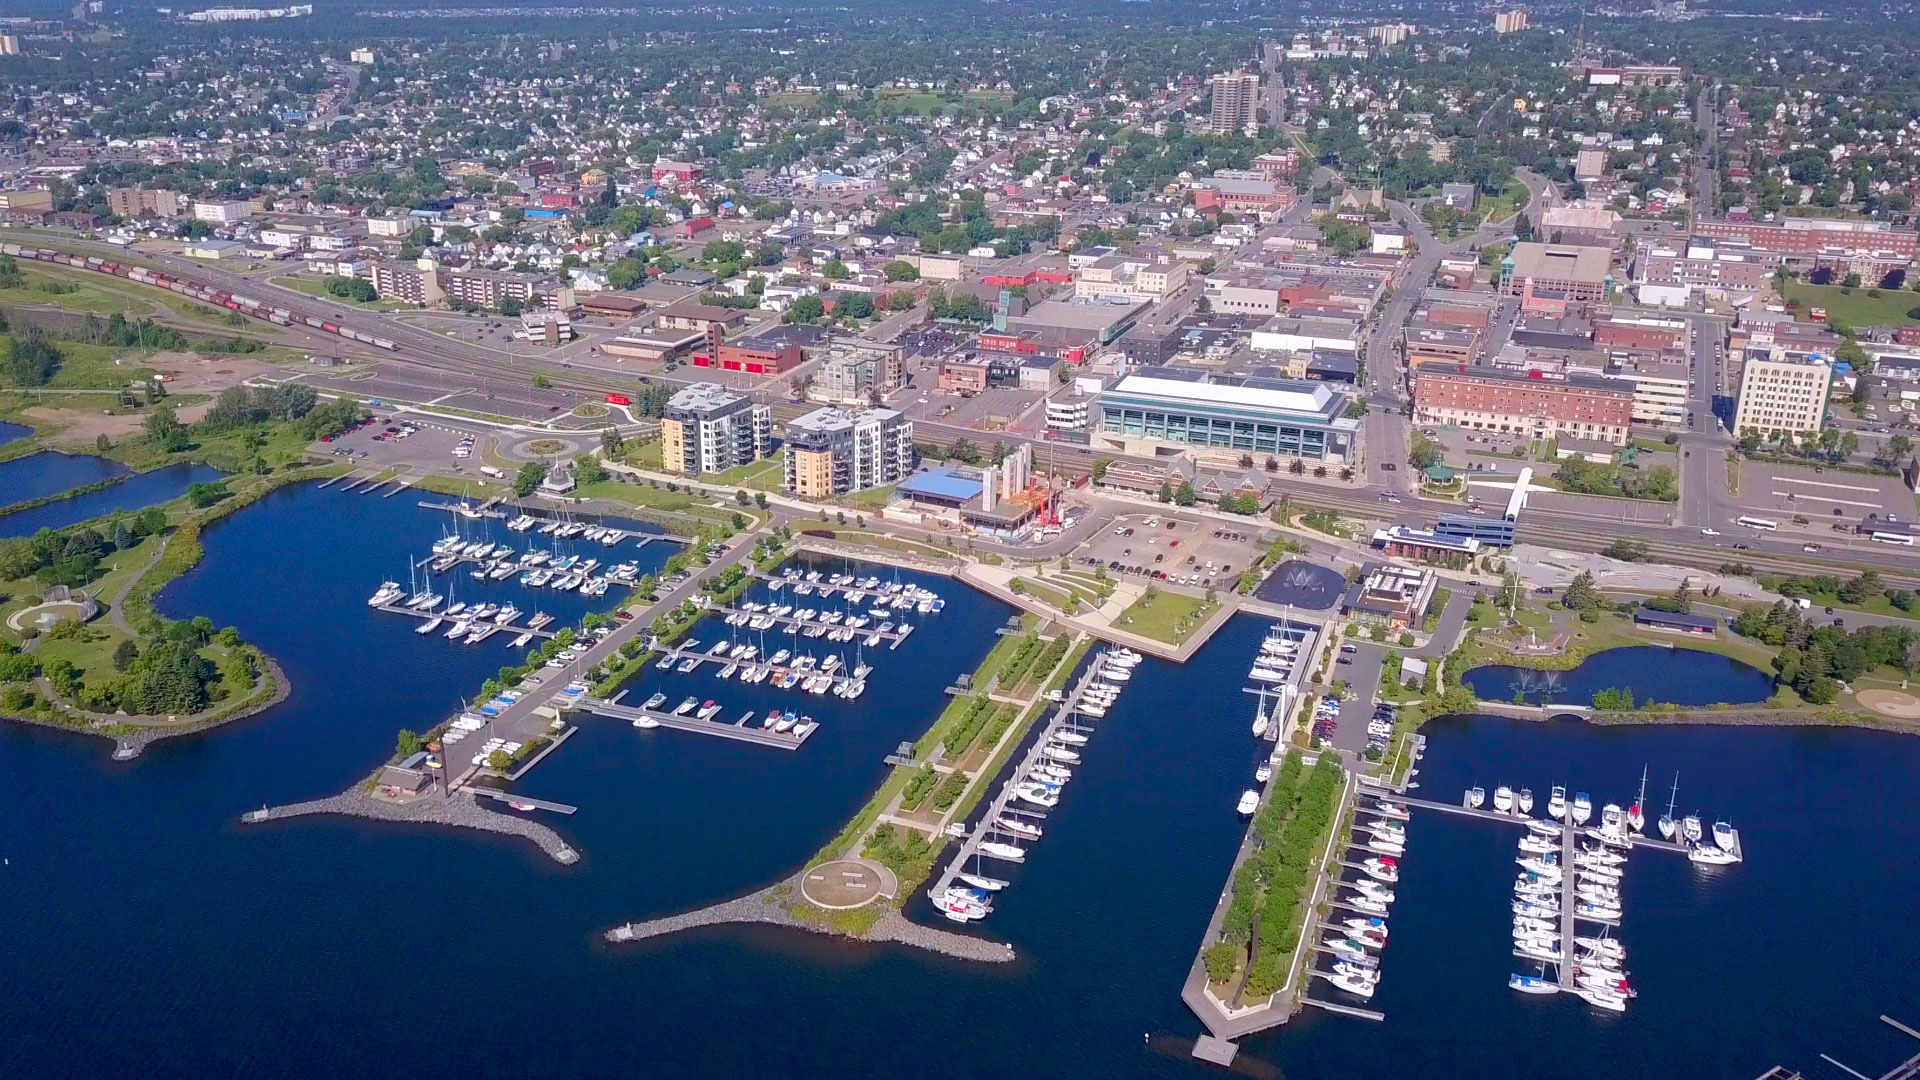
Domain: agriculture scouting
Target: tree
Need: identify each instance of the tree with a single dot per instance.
(1165, 494)
(855, 306)
(1425, 453)
(900, 270)
(1683, 596)
(612, 443)
(166, 430)
(31, 359)
(528, 478)
(1183, 495)
(1580, 595)
(807, 309)
(541, 382)
(835, 270)
(624, 273)
(407, 745)
(124, 654)
(1899, 448)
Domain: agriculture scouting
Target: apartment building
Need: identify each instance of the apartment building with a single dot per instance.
(1236, 103)
(1782, 395)
(1659, 387)
(834, 451)
(1508, 22)
(856, 373)
(137, 202)
(1533, 403)
(222, 211)
(706, 429)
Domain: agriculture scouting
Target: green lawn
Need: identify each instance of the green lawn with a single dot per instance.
(319, 289)
(872, 498)
(1169, 617)
(90, 367)
(1856, 308)
(104, 295)
(646, 456)
(638, 495)
(1505, 204)
(767, 474)
(1044, 592)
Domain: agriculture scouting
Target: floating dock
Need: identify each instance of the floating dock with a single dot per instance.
(894, 637)
(736, 730)
(487, 628)
(522, 800)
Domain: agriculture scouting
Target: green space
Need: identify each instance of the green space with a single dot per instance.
(319, 289)
(100, 294)
(872, 500)
(1165, 616)
(86, 367)
(767, 474)
(1854, 307)
(1504, 205)
(1064, 601)
(638, 495)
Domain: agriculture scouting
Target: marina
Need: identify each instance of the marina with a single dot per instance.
(740, 730)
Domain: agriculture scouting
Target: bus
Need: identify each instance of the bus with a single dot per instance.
(1757, 523)
(1897, 539)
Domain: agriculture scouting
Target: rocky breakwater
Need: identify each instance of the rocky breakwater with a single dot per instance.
(461, 809)
(771, 905)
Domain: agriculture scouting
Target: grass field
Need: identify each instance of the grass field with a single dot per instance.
(767, 474)
(103, 295)
(89, 367)
(638, 495)
(1168, 617)
(1505, 204)
(1856, 308)
(319, 289)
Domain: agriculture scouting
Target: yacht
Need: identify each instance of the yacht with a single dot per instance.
(979, 881)
(388, 592)
(655, 701)
(685, 707)
(645, 722)
(1557, 804)
(1535, 845)
(1386, 847)
(1382, 868)
(1602, 946)
(1666, 823)
(430, 625)
(1259, 723)
(1264, 773)
(1036, 794)
(1008, 852)
(1249, 802)
(1475, 796)
(1710, 855)
(1690, 828)
(1543, 828)
(1602, 999)
(1017, 827)
(1073, 738)
(708, 709)
(1348, 947)
(1532, 984)
(1524, 800)
(1503, 798)
(460, 628)
(1582, 808)
(1366, 903)
(1352, 982)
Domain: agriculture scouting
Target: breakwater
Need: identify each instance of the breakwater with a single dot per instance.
(461, 809)
(770, 906)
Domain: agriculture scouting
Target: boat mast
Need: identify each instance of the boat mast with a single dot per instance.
(1673, 796)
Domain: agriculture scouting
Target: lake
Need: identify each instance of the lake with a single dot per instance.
(135, 493)
(1675, 676)
(11, 432)
(152, 934)
(50, 472)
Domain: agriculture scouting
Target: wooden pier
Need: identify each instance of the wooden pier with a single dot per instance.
(736, 730)
(674, 657)
(489, 626)
(523, 800)
(892, 637)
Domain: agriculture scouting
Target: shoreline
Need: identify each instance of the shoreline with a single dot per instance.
(131, 744)
(769, 906)
(461, 810)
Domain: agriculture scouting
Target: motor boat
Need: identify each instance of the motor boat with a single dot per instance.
(1503, 799)
(1543, 828)
(1709, 855)
(1475, 796)
(1017, 827)
(1375, 926)
(1386, 847)
(1603, 946)
(1602, 999)
(1384, 869)
(1557, 804)
(1347, 946)
(645, 722)
(1690, 828)
(1723, 836)
(1537, 845)
(1534, 926)
(1367, 904)
(1249, 802)
(1524, 801)
(1264, 773)
(1582, 808)
(1352, 983)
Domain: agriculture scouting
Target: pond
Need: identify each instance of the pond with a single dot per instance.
(137, 492)
(50, 472)
(13, 432)
(1303, 585)
(1672, 676)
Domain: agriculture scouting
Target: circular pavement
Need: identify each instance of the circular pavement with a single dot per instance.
(1890, 703)
(847, 883)
(516, 449)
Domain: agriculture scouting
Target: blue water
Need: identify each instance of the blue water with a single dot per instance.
(50, 472)
(10, 432)
(146, 489)
(1655, 674)
(152, 935)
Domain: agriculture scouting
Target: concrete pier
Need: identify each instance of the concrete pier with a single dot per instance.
(497, 628)
(736, 730)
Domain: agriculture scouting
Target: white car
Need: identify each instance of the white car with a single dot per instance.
(1709, 532)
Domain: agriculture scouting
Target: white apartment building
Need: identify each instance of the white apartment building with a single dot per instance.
(1782, 395)
(1068, 414)
(706, 429)
(222, 212)
(835, 451)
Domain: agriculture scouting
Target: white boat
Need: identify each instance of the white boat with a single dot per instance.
(1385, 869)
(1072, 737)
(1666, 823)
(685, 707)
(1602, 999)
(1537, 845)
(1723, 836)
(1352, 983)
(1249, 802)
(645, 722)
(430, 625)
(1532, 984)
(1367, 903)
(1017, 827)
(1711, 855)
(1386, 847)
(1259, 723)
(1036, 794)
(1349, 947)
(1557, 804)
(1524, 800)
(1503, 799)
(1582, 808)
(981, 882)
(1690, 828)
(1264, 773)
(999, 850)
(387, 593)
(1475, 796)
(1602, 946)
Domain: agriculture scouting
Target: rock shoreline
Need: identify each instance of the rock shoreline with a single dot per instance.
(767, 907)
(462, 810)
(129, 745)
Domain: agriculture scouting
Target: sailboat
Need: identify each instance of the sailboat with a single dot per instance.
(1260, 717)
(1636, 813)
(1666, 823)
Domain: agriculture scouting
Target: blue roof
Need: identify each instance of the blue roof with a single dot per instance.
(940, 483)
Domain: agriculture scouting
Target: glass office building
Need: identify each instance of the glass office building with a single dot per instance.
(1279, 417)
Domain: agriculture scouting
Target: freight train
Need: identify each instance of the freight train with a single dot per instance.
(206, 294)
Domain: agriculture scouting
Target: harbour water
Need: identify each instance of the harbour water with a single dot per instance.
(151, 934)
(1675, 676)
(50, 472)
(146, 489)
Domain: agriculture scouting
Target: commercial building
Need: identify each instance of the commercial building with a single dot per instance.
(1394, 597)
(1534, 403)
(698, 317)
(1236, 103)
(1576, 272)
(833, 451)
(706, 429)
(1165, 411)
(1622, 330)
(1782, 395)
(1869, 248)
(857, 373)
(1068, 414)
(1669, 276)
(222, 211)
(1406, 542)
(753, 357)
(27, 199)
(1659, 387)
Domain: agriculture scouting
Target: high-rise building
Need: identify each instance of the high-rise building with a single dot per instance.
(835, 451)
(1236, 102)
(9, 45)
(706, 429)
(1391, 34)
(1507, 22)
(1782, 395)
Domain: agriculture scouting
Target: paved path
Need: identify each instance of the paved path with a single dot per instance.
(117, 607)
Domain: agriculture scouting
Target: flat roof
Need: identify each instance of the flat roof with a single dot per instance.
(1567, 262)
(941, 483)
(1280, 395)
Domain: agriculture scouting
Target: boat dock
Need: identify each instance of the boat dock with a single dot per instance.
(1002, 803)
(1521, 820)
(736, 730)
(468, 510)
(892, 637)
(521, 800)
(487, 630)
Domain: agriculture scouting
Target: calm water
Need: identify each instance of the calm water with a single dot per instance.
(146, 489)
(50, 472)
(168, 941)
(13, 432)
(1673, 676)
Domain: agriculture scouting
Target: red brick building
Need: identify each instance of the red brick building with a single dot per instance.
(1530, 403)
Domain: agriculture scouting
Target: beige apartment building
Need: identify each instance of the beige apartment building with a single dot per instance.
(1782, 395)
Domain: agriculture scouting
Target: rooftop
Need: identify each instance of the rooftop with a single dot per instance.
(1280, 395)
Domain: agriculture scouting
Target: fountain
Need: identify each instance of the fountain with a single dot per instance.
(1531, 681)
(1304, 585)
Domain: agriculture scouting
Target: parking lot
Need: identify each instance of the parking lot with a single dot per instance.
(386, 443)
(1197, 554)
(1815, 498)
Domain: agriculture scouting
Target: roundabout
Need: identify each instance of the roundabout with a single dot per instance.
(542, 447)
(847, 883)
